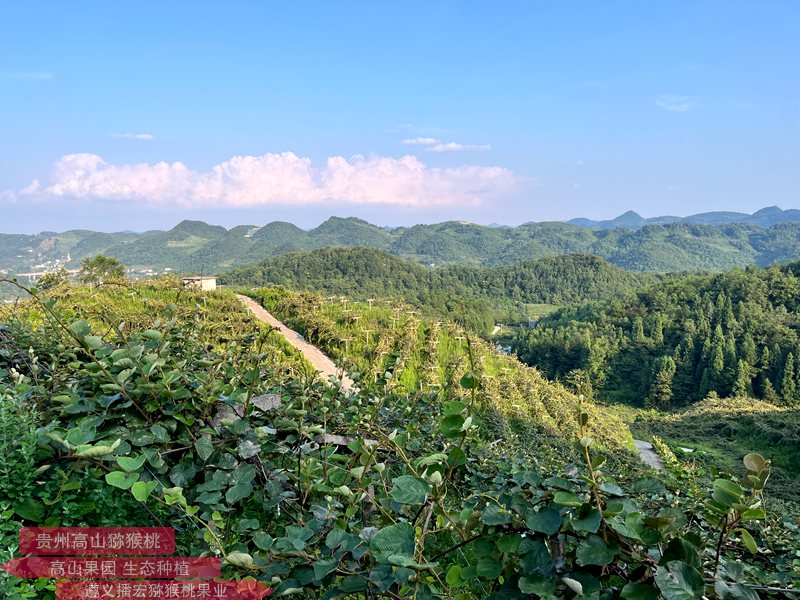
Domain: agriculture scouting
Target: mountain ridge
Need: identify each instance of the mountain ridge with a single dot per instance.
(196, 246)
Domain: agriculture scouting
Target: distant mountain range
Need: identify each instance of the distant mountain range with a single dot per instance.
(766, 217)
(702, 242)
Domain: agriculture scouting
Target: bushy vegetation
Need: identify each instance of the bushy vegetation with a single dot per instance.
(718, 432)
(487, 295)
(408, 500)
(735, 334)
(404, 354)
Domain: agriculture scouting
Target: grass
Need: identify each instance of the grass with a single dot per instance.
(719, 432)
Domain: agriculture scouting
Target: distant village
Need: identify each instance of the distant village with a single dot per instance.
(39, 269)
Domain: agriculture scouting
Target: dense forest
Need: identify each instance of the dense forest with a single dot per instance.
(501, 294)
(681, 340)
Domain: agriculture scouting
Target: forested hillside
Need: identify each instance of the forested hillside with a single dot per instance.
(198, 247)
(452, 471)
(731, 334)
(490, 294)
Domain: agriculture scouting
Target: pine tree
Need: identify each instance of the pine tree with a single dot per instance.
(638, 329)
(661, 385)
(742, 386)
(748, 350)
(788, 381)
(769, 393)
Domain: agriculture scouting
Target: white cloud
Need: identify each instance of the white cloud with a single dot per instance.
(30, 189)
(676, 103)
(285, 178)
(134, 136)
(420, 141)
(456, 147)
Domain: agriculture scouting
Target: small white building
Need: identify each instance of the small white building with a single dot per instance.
(200, 283)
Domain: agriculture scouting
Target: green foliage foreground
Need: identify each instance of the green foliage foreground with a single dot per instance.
(395, 507)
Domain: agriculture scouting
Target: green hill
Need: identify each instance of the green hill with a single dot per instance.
(730, 334)
(492, 294)
(197, 246)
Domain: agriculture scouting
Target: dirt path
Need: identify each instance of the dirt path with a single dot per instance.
(314, 355)
(325, 365)
(648, 455)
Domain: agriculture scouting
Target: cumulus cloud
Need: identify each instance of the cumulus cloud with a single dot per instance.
(456, 147)
(676, 103)
(134, 136)
(285, 178)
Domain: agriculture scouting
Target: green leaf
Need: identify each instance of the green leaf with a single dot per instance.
(649, 485)
(509, 543)
(547, 520)
(639, 591)
(587, 519)
(324, 566)
(263, 540)
(726, 492)
(489, 568)
(204, 447)
(454, 576)
(239, 559)
(682, 550)
(567, 499)
(391, 540)
(130, 464)
(141, 490)
(451, 425)
(80, 329)
(352, 584)
(456, 407)
(238, 492)
(87, 451)
(679, 581)
(93, 342)
(409, 490)
(754, 462)
(183, 473)
(594, 551)
(494, 515)
(735, 591)
(470, 380)
(535, 555)
(121, 480)
(30, 509)
(747, 540)
(537, 584)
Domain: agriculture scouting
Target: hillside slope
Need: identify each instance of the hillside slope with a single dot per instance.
(732, 334)
(499, 294)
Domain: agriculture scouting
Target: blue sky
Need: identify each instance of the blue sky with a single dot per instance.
(134, 115)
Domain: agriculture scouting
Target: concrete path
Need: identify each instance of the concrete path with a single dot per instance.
(648, 455)
(314, 355)
(325, 365)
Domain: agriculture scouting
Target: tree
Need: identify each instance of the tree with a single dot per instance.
(53, 279)
(788, 383)
(661, 385)
(100, 269)
(742, 386)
